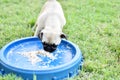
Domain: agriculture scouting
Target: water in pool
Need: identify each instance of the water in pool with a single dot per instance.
(15, 57)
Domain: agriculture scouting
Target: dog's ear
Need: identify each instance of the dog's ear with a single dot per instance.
(40, 35)
(63, 36)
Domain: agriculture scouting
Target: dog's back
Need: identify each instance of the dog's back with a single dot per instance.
(53, 7)
(49, 25)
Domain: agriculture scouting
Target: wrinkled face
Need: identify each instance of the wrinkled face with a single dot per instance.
(50, 40)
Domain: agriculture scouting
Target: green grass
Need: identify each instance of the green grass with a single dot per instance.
(94, 25)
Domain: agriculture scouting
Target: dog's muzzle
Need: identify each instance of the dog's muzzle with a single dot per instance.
(49, 47)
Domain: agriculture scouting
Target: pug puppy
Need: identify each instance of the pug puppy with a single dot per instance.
(49, 25)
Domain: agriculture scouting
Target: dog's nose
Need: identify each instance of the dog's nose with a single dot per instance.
(49, 49)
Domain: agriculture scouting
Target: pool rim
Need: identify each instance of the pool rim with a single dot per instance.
(77, 59)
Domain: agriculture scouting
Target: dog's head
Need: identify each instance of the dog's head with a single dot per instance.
(50, 40)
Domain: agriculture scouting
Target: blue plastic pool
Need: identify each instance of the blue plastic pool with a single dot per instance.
(67, 63)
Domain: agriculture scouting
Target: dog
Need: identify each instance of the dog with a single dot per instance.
(49, 25)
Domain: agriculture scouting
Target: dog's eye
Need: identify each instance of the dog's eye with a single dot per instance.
(44, 44)
(54, 46)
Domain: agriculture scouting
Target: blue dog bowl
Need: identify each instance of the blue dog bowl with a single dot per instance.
(67, 64)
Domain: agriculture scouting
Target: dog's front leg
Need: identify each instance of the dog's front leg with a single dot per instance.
(34, 27)
(38, 30)
(39, 24)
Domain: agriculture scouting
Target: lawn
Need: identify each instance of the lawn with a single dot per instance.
(94, 25)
